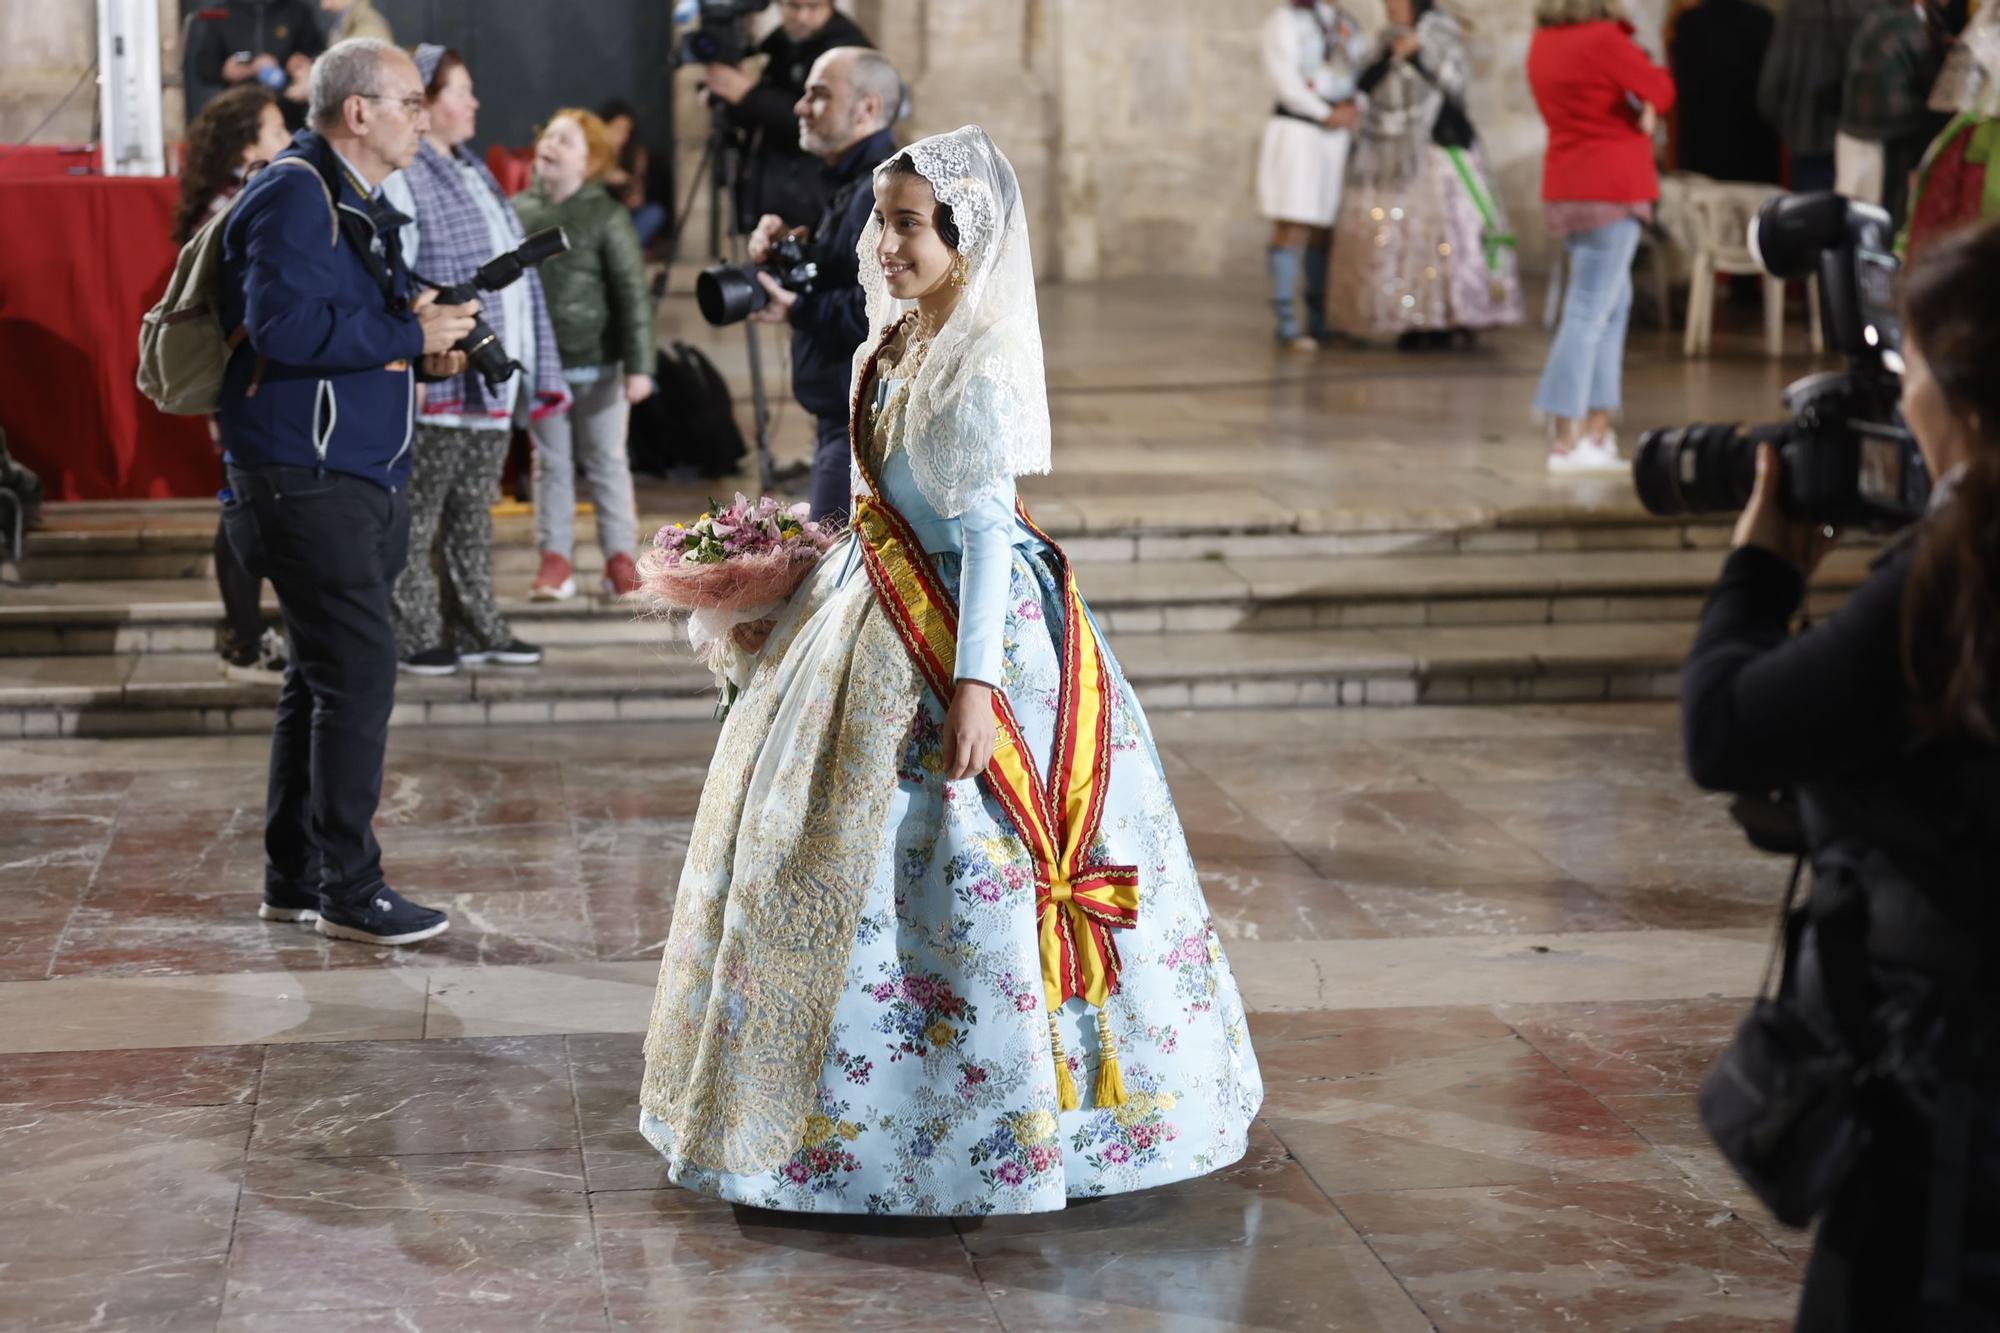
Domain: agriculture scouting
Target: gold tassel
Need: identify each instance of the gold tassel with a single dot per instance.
(1110, 1079)
(1065, 1085)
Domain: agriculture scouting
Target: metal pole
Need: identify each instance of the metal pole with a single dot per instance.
(132, 139)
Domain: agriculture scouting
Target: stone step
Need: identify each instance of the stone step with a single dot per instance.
(1199, 596)
(174, 539)
(183, 694)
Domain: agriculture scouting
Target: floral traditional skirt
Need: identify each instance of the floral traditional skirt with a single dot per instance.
(1409, 256)
(850, 1016)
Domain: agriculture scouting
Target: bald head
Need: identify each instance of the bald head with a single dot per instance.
(852, 92)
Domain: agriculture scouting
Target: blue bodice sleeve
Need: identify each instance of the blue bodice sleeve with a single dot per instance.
(985, 536)
(988, 529)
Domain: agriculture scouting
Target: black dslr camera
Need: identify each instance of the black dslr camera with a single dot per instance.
(1848, 459)
(721, 34)
(482, 347)
(727, 293)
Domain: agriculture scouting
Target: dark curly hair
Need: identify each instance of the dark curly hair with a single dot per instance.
(229, 124)
(946, 224)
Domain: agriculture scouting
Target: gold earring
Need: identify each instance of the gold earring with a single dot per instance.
(961, 272)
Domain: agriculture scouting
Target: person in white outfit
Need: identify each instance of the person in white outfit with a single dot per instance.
(1312, 51)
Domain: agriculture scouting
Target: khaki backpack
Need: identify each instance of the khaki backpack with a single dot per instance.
(183, 351)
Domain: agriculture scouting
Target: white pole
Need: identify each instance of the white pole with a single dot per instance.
(132, 138)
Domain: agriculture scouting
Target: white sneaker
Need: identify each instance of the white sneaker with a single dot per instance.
(1588, 455)
(1577, 458)
(553, 592)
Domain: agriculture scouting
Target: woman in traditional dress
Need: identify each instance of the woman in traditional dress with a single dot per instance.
(1311, 51)
(1422, 250)
(889, 987)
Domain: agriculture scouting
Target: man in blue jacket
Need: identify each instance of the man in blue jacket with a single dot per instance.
(316, 415)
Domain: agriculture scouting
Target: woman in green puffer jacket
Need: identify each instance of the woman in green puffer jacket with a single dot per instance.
(603, 320)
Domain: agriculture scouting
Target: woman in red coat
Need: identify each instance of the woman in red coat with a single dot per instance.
(1600, 96)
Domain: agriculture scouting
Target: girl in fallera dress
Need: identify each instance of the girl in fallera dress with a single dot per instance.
(939, 948)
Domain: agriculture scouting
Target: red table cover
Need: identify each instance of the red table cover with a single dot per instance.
(83, 258)
(39, 160)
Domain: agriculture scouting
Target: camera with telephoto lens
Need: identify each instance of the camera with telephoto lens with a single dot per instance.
(728, 293)
(482, 346)
(720, 35)
(1847, 458)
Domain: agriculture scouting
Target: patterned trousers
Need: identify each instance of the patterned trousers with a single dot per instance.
(444, 597)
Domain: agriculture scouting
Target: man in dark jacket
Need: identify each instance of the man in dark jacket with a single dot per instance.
(781, 177)
(847, 120)
(271, 40)
(1717, 53)
(1799, 86)
(316, 412)
(1885, 102)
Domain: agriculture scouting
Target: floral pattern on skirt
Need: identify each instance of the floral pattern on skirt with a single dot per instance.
(937, 1095)
(1409, 255)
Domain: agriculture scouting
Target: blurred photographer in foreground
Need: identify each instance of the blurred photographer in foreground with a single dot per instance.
(1885, 720)
(780, 176)
(847, 120)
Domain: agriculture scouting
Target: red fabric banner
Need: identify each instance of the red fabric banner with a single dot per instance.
(85, 258)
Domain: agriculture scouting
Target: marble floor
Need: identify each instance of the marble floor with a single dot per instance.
(1488, 953)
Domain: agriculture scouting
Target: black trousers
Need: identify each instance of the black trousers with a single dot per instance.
(332, 545)
(243, 620)
(832, 486)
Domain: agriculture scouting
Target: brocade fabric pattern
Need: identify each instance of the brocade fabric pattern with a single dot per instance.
(1409, 248)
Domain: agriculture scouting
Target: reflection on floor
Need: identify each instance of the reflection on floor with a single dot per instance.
(1488, 952)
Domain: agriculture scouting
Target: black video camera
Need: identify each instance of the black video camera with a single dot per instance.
(728, 293)
(482, 346)
(721, 35)
(1847, 457)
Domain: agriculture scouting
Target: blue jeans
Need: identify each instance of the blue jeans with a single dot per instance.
(649, 219)
(1811, 172)
(1588, 356)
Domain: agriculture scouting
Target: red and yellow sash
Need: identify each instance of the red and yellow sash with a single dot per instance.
(1079, 900)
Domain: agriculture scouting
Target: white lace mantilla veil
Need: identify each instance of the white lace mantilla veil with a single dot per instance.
(978, 410)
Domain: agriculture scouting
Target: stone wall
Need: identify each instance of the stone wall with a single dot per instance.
(45, 48)
(1135, 138)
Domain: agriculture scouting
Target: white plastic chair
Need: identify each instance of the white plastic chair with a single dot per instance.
(1719, 214)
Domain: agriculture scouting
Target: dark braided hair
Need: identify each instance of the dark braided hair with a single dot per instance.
(1951, 607)
(947, 226)
(229, 124)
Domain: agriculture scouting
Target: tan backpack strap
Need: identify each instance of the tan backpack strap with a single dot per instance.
(332, 213)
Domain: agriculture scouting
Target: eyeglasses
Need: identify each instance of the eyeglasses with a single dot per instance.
(412, 106)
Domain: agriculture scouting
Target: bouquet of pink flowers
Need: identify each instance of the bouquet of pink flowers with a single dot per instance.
(731, 567)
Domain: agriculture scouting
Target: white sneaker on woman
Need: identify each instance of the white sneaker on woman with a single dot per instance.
(1588, 455)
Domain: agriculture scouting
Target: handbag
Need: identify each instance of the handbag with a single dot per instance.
(1783, 1102)
(1453, 128)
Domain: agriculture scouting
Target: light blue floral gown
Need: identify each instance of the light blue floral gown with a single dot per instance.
(850, 1015)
